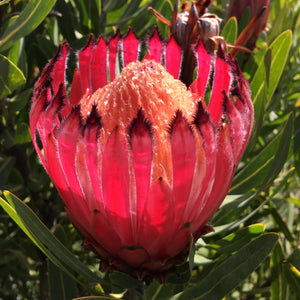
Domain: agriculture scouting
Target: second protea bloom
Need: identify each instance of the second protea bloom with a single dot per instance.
(142, 163)
(259, 13)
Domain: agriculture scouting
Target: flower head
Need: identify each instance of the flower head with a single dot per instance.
(142, 163)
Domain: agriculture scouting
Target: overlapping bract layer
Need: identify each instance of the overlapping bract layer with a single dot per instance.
(141, 162)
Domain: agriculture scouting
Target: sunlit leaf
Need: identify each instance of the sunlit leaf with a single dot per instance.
(32, 15)
(22, 134)
(235, 241)
(231, 210)
(229, 31)
(280, 49)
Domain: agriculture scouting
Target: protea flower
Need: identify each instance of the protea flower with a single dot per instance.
(142, 163)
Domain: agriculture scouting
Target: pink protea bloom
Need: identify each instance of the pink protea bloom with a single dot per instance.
(142, 163)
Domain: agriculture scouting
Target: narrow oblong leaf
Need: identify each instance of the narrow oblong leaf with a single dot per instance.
(236, 240)
(32, 15)
(280, 50)
(282, 151)
(123, 280)
(293, 276)
(295, 258)
(278, 283)
(3, 2)
(230, 211)
(61, 286)
(226, 276)
(42, 236)
(11, 77)
(263, 168)
(12, 213)
(7, 164)
(282, 225)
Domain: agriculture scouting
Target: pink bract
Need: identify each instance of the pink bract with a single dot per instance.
(141, 163)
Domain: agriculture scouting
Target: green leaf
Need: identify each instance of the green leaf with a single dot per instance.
(282, 225)
(7, 163)
(111, 5)
(278, 280)
(11, 77)
(263, 168)
(68, 21)
(226, 276)
(32, 15)
(229, 31)
(19, 101)
(12, 213)
(3, 2)
(17, 55)
(61, 286)
(296, 147)
(231, 210)
(280, 50)
(22, 134)
(295, 258)
(123, 280)
(156, 291)
(293, 277)
(235, 241)
(43, 238)
(282, 151)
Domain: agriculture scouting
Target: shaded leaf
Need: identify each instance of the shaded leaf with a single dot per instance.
(61, 286)
(278, 280)
(282, 225)
(6, 165)
(263, 168)
(232, 271)
(11, 77)
(123, 280)
(293, 277)
(43, 238)
(282, 151)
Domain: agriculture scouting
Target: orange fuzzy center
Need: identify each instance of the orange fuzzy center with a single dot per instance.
(149, 86)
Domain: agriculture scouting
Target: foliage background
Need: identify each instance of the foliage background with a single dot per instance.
(240, 260)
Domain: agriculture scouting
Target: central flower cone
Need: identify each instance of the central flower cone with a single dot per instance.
(141, 163)
(147, 88)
